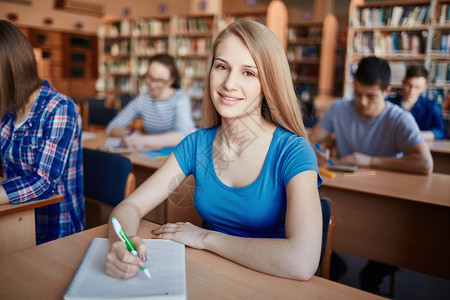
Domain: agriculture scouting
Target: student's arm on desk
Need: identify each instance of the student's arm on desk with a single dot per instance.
(152, 140)
(416, 160)
(319, 135)
(295, 256)
(119, 262)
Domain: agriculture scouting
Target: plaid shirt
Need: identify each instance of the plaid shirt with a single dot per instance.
(43, 156)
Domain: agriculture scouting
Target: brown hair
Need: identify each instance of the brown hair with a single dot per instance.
(18, 71)
(169, 62)
(280, 105)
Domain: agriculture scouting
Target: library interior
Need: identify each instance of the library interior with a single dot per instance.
(139, 73)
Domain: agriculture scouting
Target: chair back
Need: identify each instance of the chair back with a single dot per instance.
(108, 177)
(327, 236)
(97, 114)
(125, 99)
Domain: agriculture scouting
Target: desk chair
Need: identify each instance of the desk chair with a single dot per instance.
(96, 115)
(108, 179)
(327, 237)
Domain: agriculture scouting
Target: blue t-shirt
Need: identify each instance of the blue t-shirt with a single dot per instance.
(390, 134)
(255, 210)
(427, 114)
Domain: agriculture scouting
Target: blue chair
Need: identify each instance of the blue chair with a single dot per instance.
(327, 237)
(96, 115)
(125, 99)
(108, 179)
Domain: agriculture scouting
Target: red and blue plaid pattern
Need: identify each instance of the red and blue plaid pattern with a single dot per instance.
(43, 156)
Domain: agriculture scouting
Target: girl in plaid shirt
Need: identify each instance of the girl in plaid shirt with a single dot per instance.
(40, 141)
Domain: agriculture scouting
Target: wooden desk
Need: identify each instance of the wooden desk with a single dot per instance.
(17, 224)
(395, 218)
(45, 271)
(440, 150)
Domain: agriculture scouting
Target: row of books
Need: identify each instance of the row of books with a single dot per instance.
(151, 27)
(122, 47)
(151, 47)
(120, 66)
(127, 28)
(440, 73)
(389, 43)
(294, 33)
(192, 25)
(191, 46)
(300, 52)
(390, 16)
(444, 14)
(441, 43)
(122, 84)
(305, 71)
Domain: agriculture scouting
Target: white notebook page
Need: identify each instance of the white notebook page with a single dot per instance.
(166, 263)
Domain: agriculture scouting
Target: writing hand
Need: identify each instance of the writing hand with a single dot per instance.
(357, 158)
(120, 263)
(323, 157)
(185, 233)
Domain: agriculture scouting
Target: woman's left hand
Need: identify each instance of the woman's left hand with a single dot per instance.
(185, 233)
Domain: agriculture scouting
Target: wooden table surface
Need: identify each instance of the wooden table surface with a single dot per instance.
(396, 218)
(440, 151)
(45, 271)
(17, 224)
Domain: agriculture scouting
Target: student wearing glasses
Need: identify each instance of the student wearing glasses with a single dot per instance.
(165, 109)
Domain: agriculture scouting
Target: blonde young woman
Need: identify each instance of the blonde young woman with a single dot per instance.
(255, 172)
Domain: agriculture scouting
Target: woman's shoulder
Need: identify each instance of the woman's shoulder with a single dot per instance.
(287, 139)
(54, 99)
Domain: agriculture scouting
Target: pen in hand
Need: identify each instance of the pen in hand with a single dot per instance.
(317, 146)
(121, 234)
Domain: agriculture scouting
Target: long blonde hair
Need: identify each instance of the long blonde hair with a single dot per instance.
(280, 105)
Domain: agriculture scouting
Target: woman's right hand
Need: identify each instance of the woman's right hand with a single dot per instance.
(120, 263)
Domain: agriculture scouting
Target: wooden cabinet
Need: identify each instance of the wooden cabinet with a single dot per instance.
(68, 60)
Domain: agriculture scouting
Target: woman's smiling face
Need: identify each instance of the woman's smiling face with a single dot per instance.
(235, 86)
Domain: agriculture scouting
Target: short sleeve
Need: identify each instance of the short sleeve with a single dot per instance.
(297, 158)
(185, 152)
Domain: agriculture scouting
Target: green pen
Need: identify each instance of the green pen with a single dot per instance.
(121, 234)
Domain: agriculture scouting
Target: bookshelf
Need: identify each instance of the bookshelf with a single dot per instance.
(303, 53)
(115, 49)
(404, 33)
(125, 47)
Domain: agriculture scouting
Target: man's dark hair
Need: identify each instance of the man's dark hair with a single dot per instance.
(373, 70)
(416, 71)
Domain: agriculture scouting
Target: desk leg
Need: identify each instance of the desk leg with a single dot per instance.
(17, 232)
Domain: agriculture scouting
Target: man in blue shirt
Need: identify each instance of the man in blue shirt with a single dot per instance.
(426, 112)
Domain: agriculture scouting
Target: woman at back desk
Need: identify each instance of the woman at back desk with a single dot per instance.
(255, 172)
(165, 109)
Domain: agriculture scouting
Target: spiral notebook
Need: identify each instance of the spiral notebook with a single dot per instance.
(166, 263)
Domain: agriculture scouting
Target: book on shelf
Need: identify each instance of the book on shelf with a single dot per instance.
(389, 15)
(444, 15)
